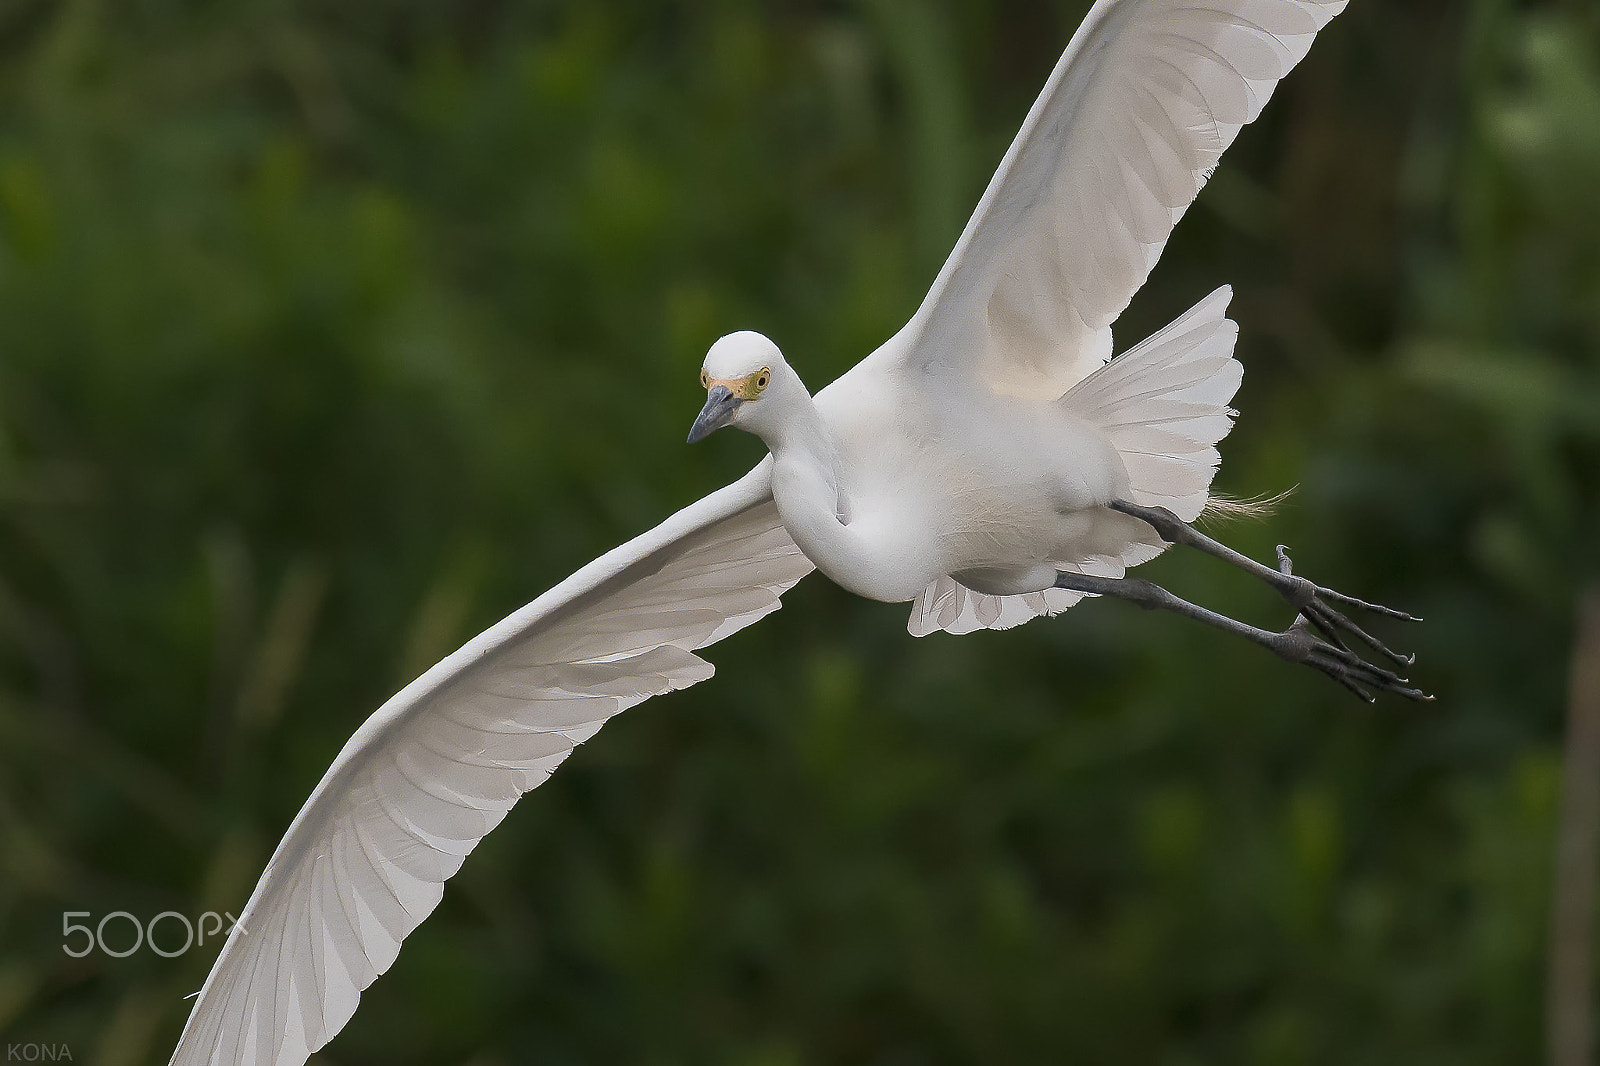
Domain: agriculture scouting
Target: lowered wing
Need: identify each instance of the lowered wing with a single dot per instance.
(438, 766)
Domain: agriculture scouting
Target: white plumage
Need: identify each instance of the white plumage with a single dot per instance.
(438, 766)
(1163, 406)
(962, 465)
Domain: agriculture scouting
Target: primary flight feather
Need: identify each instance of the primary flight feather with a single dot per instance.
(989, 463)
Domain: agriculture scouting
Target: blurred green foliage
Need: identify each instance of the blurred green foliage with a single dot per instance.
(329, 333)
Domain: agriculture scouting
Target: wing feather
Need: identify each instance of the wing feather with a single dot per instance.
(439, 765)
(1129, 127)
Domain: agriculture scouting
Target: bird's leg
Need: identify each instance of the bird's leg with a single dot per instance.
(1297, 644)
(1315, 603)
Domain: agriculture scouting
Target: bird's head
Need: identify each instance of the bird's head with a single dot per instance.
(742, 372)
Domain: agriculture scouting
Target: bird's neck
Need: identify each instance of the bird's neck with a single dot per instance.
(833, 530)
(807, 490)
(806, 459)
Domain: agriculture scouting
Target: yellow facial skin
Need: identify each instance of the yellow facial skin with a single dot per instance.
(746, 388)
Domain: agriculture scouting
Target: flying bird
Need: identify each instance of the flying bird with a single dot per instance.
(989, 463)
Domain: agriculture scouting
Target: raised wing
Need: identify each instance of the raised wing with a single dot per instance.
(1143, 103)
(438, 766)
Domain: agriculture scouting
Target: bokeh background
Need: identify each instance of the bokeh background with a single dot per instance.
(330, 333)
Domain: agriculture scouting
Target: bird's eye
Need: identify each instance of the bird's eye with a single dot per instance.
(705, 379)
(763, 379)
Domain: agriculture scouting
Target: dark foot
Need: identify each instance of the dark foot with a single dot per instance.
(1300, 644)
(1315, 605)
(1319, 610)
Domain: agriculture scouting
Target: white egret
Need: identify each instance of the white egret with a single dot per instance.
(990, 462)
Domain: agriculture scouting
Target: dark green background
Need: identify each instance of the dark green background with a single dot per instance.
(329, 333)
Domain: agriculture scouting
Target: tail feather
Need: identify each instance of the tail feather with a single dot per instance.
(1164, 404)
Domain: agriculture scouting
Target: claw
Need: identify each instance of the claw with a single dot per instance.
(1332, 619)
(1375, 608)
(1318, 609)
(1302, 643)
(1354, 665)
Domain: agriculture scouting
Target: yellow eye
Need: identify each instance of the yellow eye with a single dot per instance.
(763, 378)
(705, 379)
